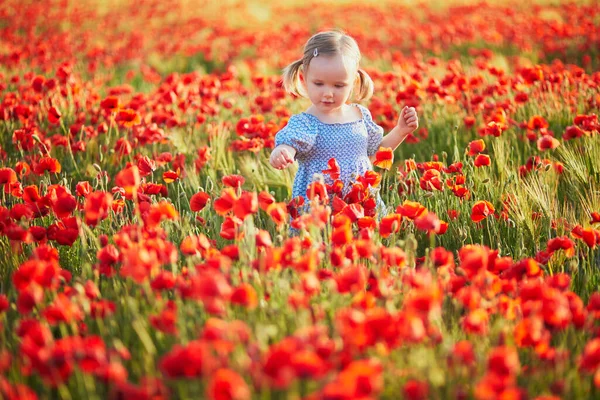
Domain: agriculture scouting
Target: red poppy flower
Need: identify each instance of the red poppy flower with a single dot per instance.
(389, 224)
(473, 259)
(170, 176)
(469, 121)
(476, 147)
(411, 209)
(112, 372)
(83, 188)
(54, 115)
(476, 322)
(159, 211)
(503, 361)
(233, 181)
(63, 202)
(191, 360)
(431, 180)
(195, 244)
(308, 364)
(562, 243)
(166, 320)
(263, 239)
(482, 160)
(547, 142)
(246, 205)
(494, 128)
(64, 232)
(530, 332)
(22, 168)
(358, 193)
(416, 390)
(123, 147)
(333, 169)
(336, 187)
(351, 279)
(370, 178)
(128, 179)
(278, 213)
(442, 228)
(573, 132)
(360, 379)
(368, 223)
(317, 190)
(537, 122)
(47, 164)
(96, 207)
(198, 201)
(128, 118)
(7, 176)
(265, 199)
(463, 353)
(521, 97)
(595, 218)
(110, 104)
(342, 234)
(227, 384)
(590, 358)
(354, 211)
(588, 235)
(19, 211)
(428, 222)
(203, 157)
(28, 298)
(4, 304)
(481, 210)
(244, 295)
(62, 310)
(146, 166)
(453, 214)
(229, 228)
(384, 158)
(224, 204)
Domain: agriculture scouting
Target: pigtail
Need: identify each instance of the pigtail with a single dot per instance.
(291, 78)
(365, 86)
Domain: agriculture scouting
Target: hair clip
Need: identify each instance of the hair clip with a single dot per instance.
(316, 52)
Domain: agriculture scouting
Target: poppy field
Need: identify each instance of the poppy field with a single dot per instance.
(149, 251)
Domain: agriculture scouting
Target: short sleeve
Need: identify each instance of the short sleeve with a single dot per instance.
(374, 131)
(299, 133)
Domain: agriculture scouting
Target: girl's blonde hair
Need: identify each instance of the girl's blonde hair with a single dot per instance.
(327, 43)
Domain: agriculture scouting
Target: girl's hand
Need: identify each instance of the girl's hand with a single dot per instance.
(282, 156)
(408, 121)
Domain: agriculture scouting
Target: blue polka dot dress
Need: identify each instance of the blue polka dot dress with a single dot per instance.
(316, 143)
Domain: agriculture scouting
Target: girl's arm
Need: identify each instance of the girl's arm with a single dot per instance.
(408, 122)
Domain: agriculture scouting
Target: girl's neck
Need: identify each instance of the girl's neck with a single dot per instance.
(346, 113)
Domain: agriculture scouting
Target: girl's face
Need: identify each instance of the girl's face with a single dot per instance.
(329, 81)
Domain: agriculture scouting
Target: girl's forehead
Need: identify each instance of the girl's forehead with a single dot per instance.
(335, 66)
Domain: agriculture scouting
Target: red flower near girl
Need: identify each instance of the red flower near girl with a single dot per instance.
(384, 158)
(333, 169)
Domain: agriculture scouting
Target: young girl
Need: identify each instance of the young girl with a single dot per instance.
(332, 127)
